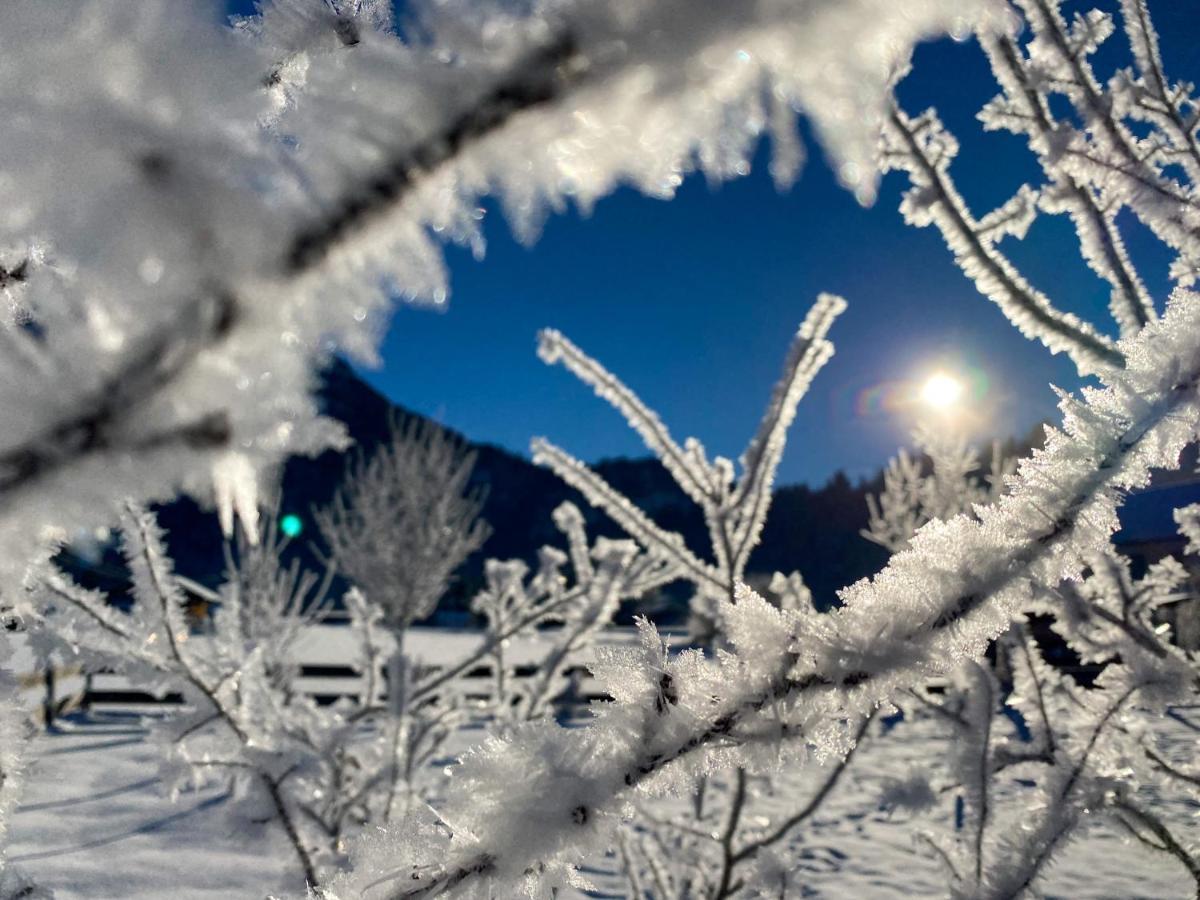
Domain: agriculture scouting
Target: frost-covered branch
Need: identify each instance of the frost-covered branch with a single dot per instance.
(14, 744)
(1085, 750)
(957, 587)
(1111, 157)
(605, 574)
(734, 508)
(220, 212)
(923, 148)
(1031, 848)
(751, 496)
(636, 523)
(245, 720)
(687, 465)
(1023, 109)
(1171, 108)
(177, 349)
(1141, 822)
(780, 831)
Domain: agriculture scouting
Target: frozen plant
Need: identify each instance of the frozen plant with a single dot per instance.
(1128, 144)
(193, 217)
(605, 572)
(325, 773)
(220, 212)
(1094, 165)
(400, 526)
(245, 723)
(565, 612)
(735, 506)
(1098, 618)
(961, 582)
(1088, 753)
(937, 604)
(951, 486)
(405, 519)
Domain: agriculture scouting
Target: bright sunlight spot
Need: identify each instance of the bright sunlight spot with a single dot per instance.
(941, 391)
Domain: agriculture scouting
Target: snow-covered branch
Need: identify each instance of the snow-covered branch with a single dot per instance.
(635, 523)
(1023, 109)
(751, 497)
(957, 587)
(1110, 157)
(1151, 97)
(734, 508)
(923, 148)
(245, 720)
(687, 466)
(605, 574)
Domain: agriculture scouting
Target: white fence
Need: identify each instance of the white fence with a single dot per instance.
(324, 654)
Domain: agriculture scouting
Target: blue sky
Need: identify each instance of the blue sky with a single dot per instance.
(693, 301)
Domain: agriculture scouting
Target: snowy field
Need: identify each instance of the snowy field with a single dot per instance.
(96, 822)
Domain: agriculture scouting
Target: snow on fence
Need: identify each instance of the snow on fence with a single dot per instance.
(323, 652)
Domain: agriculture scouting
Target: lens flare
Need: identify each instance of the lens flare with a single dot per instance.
(954, 389)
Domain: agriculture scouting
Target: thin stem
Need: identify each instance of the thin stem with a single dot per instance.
(831, 781)
(1039, 693)
(941, 854)
(1067, 823)
(1173, 771)
(627, 863)
(984, 774)
(1168, 842)
(487, 647)
(938, 709)
(728, 832)
(289, 826)
(1150, 62)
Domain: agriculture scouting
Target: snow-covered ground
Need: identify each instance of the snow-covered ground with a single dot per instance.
(96, 823)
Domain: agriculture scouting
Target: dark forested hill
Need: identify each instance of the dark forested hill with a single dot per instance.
(814, 530)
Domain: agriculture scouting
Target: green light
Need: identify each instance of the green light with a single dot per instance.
(291, 525)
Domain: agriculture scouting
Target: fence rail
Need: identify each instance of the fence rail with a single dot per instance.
(321, 654)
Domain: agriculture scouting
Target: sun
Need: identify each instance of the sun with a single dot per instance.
(941, 391)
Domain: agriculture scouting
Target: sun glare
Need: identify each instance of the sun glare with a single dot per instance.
(941, 391)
